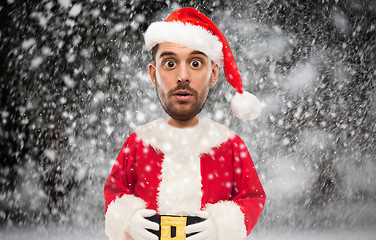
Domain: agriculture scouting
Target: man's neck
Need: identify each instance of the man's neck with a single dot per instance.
(183, 124)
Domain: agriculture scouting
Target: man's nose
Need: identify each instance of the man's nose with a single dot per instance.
(183, 76)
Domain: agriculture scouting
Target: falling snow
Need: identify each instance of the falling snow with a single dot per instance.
(74, 85)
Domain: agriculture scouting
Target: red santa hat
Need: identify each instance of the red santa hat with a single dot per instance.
(191, 28)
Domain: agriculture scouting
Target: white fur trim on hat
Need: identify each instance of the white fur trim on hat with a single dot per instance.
(246, 106)
(229, 220)
(118, 215)
(185, 34)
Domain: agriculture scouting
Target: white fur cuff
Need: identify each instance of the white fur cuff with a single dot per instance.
(229, 220)
(118, 216)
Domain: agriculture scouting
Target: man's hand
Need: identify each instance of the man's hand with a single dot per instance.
(206, 230)
(138, 225)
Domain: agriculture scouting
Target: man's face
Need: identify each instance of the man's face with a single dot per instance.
(182, 77)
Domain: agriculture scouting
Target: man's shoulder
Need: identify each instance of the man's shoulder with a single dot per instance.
(215, 126)
(156, 124)
(209, 126)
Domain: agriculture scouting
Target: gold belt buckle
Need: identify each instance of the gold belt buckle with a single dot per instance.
(170, 225)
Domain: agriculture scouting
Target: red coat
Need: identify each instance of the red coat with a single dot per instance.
(181, 171)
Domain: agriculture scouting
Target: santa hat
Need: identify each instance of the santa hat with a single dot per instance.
(191, 28)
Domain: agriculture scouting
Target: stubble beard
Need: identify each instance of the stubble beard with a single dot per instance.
(181, 111)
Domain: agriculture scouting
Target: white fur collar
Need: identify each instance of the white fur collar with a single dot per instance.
(198, 139)
(179, 192)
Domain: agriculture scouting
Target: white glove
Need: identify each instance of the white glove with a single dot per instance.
(138, 224)
(205, 230)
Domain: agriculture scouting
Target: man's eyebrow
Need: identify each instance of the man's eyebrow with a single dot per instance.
(167, 54)
(174, 54)
(198, 52)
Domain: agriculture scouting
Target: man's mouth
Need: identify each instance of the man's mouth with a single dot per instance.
(183, 95)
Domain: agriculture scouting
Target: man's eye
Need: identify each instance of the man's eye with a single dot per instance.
(196, 63)
(169, 64)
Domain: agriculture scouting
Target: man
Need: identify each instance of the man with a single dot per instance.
(185, 176)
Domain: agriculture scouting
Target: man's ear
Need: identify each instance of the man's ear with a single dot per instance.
(214, 75)
(152, 73)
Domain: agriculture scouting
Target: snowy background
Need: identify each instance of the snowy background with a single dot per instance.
(74, 85)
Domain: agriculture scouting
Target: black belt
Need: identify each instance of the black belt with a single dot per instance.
(172, 227)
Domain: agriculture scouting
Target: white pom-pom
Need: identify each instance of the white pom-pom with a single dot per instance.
(246, 106)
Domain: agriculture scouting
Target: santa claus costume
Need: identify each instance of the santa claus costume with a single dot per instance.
(180, 171)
